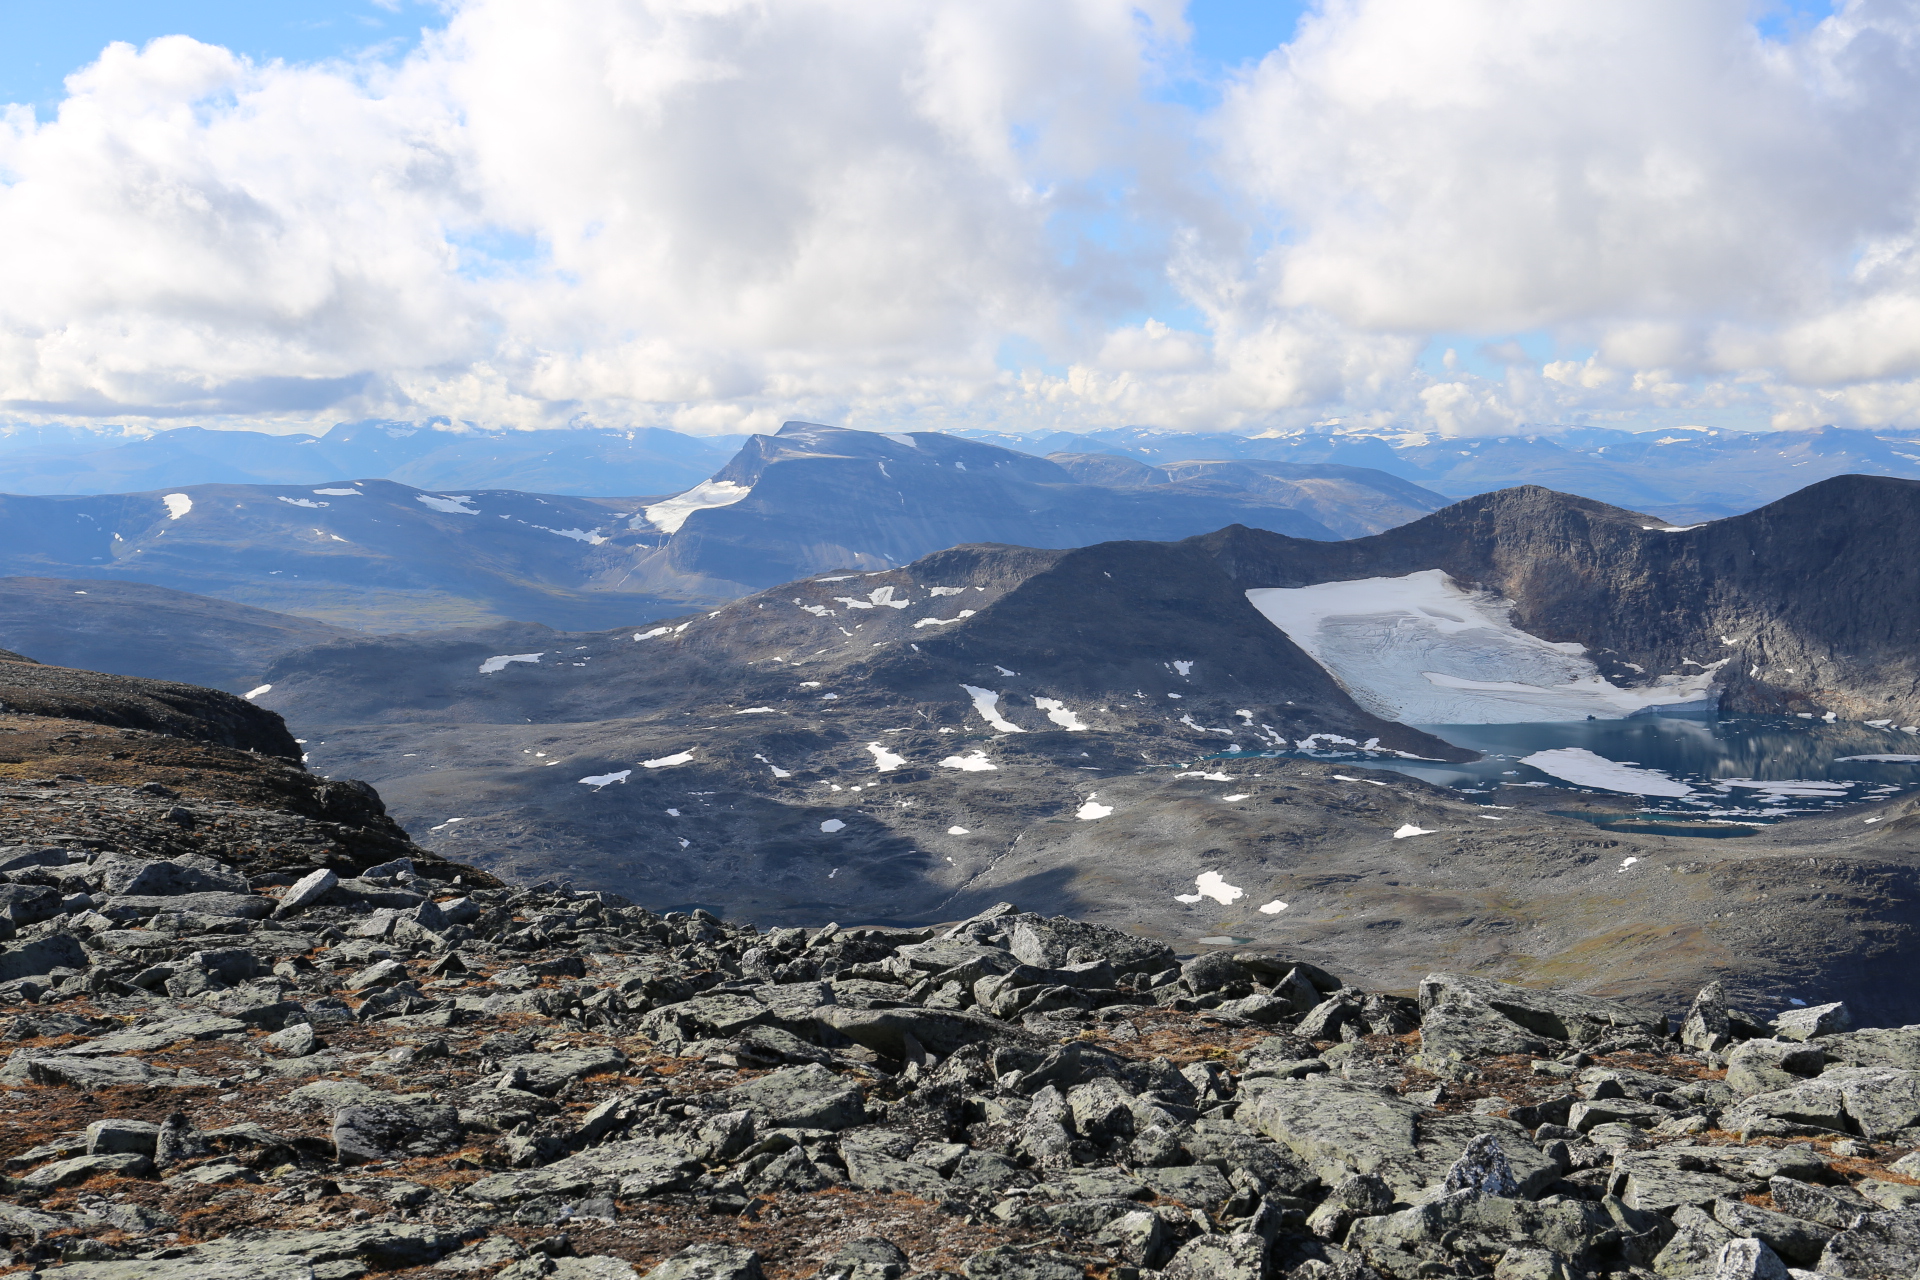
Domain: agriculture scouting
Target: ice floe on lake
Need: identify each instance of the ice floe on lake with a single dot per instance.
(1421, 649)
(832, 825)
(1583, 768)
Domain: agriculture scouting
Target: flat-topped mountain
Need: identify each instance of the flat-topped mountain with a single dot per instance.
(812, 499)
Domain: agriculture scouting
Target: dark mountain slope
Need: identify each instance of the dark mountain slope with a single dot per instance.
(135, 629)
(1154, 633)
(1814, 600)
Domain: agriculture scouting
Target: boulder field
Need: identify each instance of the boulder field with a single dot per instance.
(414, 1071)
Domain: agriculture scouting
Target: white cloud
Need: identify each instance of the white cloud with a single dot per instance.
(717, 214)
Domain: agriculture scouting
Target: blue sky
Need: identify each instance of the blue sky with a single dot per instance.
(44, 43)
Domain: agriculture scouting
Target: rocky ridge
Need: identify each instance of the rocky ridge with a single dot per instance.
(405, 1076)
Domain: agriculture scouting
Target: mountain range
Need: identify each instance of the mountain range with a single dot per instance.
(1069, 729)
(1685, 474)
(384, 556)
(575, 461)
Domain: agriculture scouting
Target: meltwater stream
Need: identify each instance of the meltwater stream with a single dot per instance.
(1718, 773)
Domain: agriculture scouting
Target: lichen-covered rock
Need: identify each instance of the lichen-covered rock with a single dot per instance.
(805, 1097)
(1882, 1244)
(710, 1262)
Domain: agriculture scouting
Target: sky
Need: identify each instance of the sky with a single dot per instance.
(1460, 217)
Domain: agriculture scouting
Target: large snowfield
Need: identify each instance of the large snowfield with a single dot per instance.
(1423, 650)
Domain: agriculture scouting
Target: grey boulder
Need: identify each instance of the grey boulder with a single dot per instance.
(805, 1097)
(379, 1131)
(710, 1262)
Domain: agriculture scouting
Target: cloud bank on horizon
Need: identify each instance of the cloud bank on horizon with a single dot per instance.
(717, 214)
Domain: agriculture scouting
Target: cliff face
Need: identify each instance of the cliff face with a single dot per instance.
(176, 710)
(1811, 603)
(155, 769)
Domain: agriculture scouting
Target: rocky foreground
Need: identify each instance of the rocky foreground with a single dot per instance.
(219, 1073)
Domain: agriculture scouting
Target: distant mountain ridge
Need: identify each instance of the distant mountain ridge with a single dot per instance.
(384, 556)
(1685, 474)
(575, 461)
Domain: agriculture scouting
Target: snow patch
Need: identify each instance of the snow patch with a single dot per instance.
(499, 661)
(178, 504)
(753, 711)
(1408, 829)
(930, 622)
(302, 502)
(1209, 884)
(668, 516)
(1421, 649)
(946, 591)
(351, 493)
(1627, 862)
(1058, 713)
(1184, 668)
(599, 780)
(667, 762)
(975, 763)
(958, 831)
(1273, 908)
(883, 759)
(589, 536)
(452, 503)
(906, 440)
(648, 635)
(1881, 759)
(1089, 811)
(1583, 768)
(250, 694)
(987, 703)
(879, 597)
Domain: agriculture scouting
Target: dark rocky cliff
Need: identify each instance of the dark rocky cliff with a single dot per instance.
(1812, 602)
